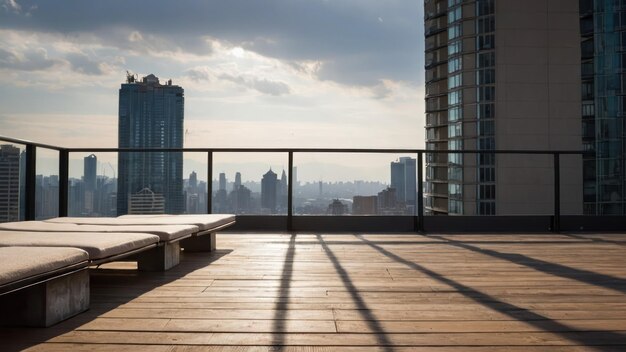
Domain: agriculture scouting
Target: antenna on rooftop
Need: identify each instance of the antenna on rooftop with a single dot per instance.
(130, 78)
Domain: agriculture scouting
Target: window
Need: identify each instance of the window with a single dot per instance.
(454, 98)
(486, 174)
(454, 47)
(588, 109)
(454, 65)
(454, 81)
(486, 93)
(486, 128)
(487, 191)
(486, 159)
(486, 143)
(454, 15)
(455, 158)
(587, 90)
(454, 190)
(454, 31)
(455, 130)
(486, 41)
(487, 208)
(487, 76)
(487, 59)
(486, 111)
(455, 114)
(455, 206)
(455, 144)
(485, 24)
(455, 173)
(485, 7)
(454, 2)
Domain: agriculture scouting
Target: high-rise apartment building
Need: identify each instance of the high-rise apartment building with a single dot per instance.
(603, 60)
(269, 185)
(151, 116)
(403, 179)
(90, 164)
(9, 183)
(501, 75)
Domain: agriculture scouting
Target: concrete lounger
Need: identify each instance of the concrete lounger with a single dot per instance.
(102, 247)
(203, 240)
(41, 286)
(164, 257)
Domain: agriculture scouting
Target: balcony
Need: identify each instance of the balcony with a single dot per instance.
(357, 282)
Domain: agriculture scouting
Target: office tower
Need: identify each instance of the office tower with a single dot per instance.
(146, 202)
(9, 183)
(282, 190)
(403, 179)
(237, 181)
(222, 181)
(603, 41)
(502, 76)
(89, 166)
(337, 208)
(151, 116)
(193, 181)
(268, 191)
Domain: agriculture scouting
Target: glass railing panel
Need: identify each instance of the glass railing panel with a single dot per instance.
(92, 185)
(354, 184)
(250, 183)
(46, 184)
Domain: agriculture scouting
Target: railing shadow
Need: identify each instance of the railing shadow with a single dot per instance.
(19, 339)
(280, 311)
(371, 321)
(585, 276)
(598, 240)
(537, 320)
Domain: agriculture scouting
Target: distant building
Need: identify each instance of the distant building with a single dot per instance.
(237, 181)
(222, 181)
(146, 202)
(90, 165)
(337, 208)
(9, 183)
(151, 116)
(364, 205)
(282, 190)
(268, 191)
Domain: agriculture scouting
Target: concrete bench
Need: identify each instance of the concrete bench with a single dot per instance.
(102, 247)
(203, 240)
(165, 256)
(41, 286)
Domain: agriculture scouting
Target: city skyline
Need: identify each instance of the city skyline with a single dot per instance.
(289, 74)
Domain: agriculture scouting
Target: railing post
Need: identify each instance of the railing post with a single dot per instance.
(420, 192)
(209, 183)
(30, 176)
(290, 194)
(64, 157)
(556, 225)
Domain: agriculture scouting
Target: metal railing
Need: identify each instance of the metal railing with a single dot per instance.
(31, 152)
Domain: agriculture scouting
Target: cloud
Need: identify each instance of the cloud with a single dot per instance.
(80, 62)
(348, 36)
(12, 5)
(262, 85)
(35, 59)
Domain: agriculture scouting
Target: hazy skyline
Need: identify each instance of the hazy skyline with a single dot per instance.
(256, 74)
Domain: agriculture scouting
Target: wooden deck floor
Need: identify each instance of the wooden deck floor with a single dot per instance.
(359, 293)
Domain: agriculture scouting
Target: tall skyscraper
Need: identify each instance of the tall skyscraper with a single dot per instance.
(403, 179)
(151, 116)
(503, 76)
(603, 42)
(268, 191)
(89, 166)
(237, 181)
(9, 183)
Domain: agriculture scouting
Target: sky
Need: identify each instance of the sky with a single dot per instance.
(272, 73)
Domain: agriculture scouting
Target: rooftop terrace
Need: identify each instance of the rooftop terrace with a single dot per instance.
(308, 292)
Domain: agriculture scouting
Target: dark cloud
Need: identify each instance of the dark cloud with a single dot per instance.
(83, 64)
(360, 42)
(261, 85)
(30, 60)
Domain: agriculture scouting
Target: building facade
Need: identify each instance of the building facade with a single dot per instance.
(151, 115)
(9, 183)
(501, 75)
(603, 59)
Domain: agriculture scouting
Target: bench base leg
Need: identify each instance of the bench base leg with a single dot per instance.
(204, 243)
(160, 258)
(47, 303)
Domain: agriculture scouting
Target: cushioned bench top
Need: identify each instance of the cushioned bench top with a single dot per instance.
(203, 221)
(99, 245)
(19, 263)
(165, 232)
